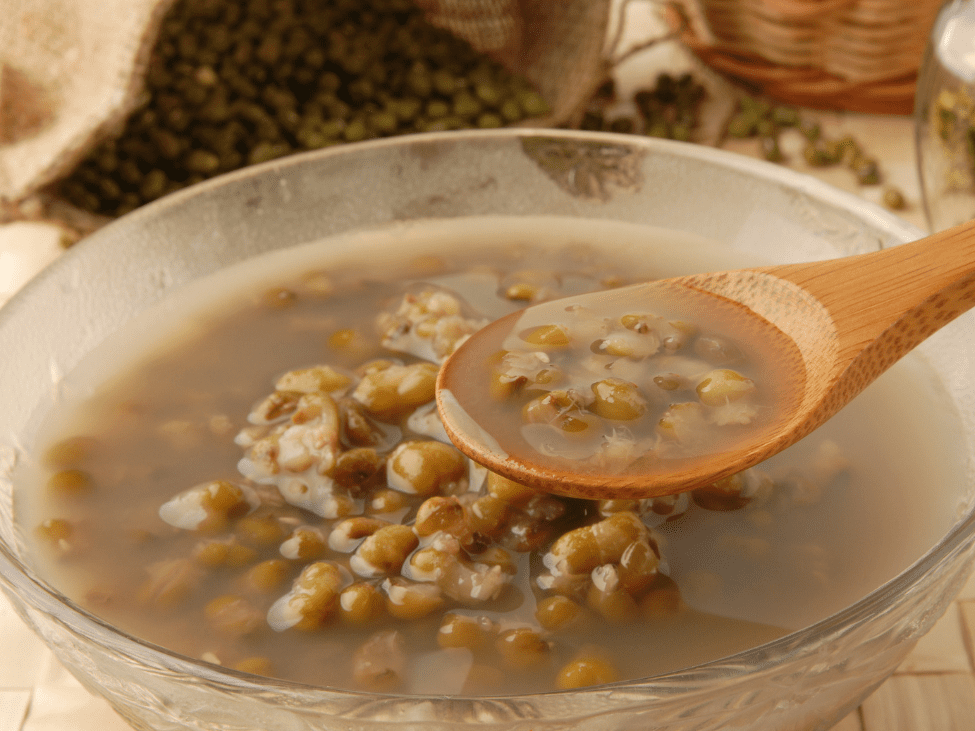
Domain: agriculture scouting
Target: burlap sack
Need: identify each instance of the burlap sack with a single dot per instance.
(72, 70)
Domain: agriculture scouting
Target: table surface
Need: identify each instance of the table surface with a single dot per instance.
(933, 690)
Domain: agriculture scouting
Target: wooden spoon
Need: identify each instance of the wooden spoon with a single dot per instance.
(835, 325)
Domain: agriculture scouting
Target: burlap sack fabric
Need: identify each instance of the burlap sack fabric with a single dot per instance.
(72, 70)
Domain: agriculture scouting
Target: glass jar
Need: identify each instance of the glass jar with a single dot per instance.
(945, 114)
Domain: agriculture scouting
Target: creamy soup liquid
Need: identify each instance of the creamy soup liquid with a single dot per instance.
(880, 482)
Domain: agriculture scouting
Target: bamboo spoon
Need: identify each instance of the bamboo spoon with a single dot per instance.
(835, 326)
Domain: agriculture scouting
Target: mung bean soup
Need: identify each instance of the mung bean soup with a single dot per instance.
(265, 484)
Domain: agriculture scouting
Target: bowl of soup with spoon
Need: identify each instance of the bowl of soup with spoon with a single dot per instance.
(229, 501)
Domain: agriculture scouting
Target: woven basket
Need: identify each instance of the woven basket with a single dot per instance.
(860, 55)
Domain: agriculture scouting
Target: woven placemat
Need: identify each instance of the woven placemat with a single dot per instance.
(934, 688)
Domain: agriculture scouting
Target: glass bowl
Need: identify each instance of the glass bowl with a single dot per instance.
(808, 679)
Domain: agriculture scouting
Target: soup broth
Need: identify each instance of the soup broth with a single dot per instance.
(253, 474)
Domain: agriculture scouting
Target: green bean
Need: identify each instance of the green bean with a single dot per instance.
(230, 84)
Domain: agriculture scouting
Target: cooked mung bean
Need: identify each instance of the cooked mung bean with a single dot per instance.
(313, 508)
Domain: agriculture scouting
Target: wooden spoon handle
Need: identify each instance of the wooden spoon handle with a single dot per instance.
(885, 303)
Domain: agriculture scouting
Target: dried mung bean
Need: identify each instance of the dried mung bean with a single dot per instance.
(236, 88)
(771, 150)
(867, 171)
(757, 118)
(671, 108)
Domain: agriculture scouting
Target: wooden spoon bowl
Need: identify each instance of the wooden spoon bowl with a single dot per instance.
(837, 324)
